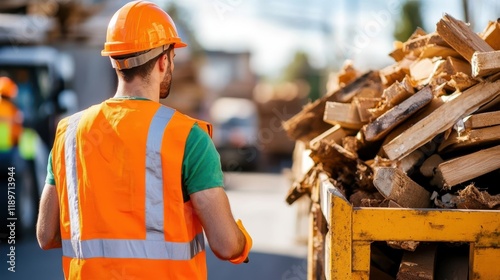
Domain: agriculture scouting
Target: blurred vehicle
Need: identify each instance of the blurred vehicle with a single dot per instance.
(235, 123)
(43, 75)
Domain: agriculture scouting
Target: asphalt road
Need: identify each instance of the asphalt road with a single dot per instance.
(257, 199)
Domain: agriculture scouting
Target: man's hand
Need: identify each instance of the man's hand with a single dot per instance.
(226, 240)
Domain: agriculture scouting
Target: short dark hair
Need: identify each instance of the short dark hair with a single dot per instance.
(141, 71)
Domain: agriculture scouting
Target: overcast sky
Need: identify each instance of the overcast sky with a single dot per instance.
(329, 31)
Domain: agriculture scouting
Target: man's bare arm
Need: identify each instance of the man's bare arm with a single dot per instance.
(225, 238)
(47, 227)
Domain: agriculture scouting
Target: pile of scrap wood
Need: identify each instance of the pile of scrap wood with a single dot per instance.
(423, 132)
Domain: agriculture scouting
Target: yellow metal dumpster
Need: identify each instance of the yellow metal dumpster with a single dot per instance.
(344, 233)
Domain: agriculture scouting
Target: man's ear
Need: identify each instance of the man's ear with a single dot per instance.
(163, 62)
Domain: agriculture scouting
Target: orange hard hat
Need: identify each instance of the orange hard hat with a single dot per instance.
(8, 88)
(137, 27)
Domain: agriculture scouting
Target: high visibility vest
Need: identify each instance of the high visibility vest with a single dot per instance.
(117, 168)
(10, 125)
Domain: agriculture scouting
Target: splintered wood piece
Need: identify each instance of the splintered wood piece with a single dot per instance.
(471, 138)
(461, 81)
(419, 32)
(383, 124)
(343, 114)
(430, 51)
(417, 45)
(442, 118)
(393, 73)
(485, 63)
(459, 36)
(461, 169)
(362, 104)
(404, 245)
(398, 92)
(335, 134)
(419, 264)
(483, 120)
(397, 53)
(472, 198)
(454, 65)
(394, 184)
(391, 96)
(421, 70)
(341, 78)
(309, 123)
(491, 34)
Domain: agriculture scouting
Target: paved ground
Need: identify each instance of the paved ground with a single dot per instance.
(257, 199)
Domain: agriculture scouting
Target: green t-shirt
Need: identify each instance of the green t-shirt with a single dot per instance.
(201, 168)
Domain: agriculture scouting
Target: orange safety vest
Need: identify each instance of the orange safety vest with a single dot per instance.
(11, 120)
(117, 168)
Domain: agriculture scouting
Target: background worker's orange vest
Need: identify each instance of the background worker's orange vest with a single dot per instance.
(117, 169)
(10, 125)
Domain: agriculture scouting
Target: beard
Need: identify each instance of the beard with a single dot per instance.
(165, 84)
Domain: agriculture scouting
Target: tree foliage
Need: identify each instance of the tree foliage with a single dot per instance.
(410, 19)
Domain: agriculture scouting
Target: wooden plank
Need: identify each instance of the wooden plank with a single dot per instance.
(421, 41)
(393, 184)
(444, 117)
(384, 124)
(470, 166)
(309, 123)
(491, 34)
(483, 120)
(335, 133)
(344, 114)
(471, 138)
(419, 264)
(485, 63)
(459, 36)
(420, 115)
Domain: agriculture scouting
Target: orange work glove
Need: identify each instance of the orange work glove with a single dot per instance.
(248, 245)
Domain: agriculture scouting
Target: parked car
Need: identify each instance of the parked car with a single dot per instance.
(235, 123)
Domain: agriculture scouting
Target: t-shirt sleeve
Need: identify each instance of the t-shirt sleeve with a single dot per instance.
(201, 168)
(50, 173)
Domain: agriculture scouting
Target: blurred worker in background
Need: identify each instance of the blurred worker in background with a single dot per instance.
(11, 122)
(131, 183)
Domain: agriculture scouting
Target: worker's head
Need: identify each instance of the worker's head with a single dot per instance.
(8, 89)
(140, 36)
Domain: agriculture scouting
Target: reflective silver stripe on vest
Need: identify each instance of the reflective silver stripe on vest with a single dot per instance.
(72, 182)
(154, 175)
(137, 249)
